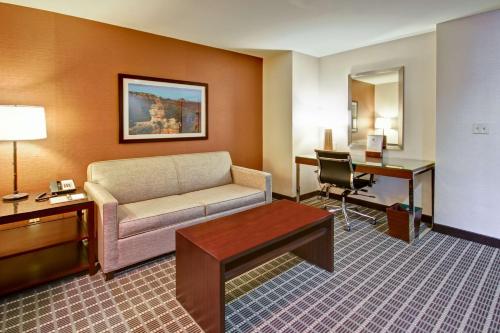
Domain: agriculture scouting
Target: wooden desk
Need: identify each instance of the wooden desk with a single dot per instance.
(389, 167)
(210, 253)
(35, 253)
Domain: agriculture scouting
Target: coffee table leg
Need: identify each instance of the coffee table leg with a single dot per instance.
(200, 285)
(320, 251)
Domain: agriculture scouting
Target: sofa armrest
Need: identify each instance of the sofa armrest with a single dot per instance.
(107, 225)
(253, 178)
(100, 195)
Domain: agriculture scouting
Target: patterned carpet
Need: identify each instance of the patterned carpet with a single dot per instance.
(380, 284)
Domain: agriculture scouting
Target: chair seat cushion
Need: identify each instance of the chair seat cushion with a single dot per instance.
(138, 217)
(226, 197)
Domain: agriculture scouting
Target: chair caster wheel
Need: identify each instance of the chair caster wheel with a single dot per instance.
(347, 228)
(374, 222)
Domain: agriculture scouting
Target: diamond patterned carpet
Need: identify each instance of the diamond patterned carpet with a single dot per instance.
(380, 284)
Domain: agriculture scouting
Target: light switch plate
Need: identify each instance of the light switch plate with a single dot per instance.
(480, 128)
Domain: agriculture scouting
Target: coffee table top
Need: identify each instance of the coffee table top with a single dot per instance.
(227, 237)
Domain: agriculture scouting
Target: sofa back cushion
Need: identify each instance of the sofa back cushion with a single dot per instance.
(203, 170)
(136, 179)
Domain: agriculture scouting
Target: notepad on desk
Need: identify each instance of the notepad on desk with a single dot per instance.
(393, 166)
(66, 198)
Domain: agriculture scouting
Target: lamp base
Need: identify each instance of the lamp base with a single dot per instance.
(15, 196)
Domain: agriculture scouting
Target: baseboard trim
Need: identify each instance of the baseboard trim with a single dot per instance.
(374, 205)
(468, 235)
(278, 196)
(308, 195)
(455, 232)
(351, 200)
(305, 196)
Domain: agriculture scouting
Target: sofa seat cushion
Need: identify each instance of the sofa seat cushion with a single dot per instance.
(143, 216)
(226, 197)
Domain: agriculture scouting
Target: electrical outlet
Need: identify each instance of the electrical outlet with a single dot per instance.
(480, 128)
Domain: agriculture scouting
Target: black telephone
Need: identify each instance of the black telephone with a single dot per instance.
(62, 186)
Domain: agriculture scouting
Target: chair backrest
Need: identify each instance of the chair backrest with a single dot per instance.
(335, 168)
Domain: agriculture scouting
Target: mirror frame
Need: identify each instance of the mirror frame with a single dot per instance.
(401, 97)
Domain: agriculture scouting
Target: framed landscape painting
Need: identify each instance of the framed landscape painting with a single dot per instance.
(154, 109)
(354, 116)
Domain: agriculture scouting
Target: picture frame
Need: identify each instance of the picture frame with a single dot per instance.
(156, 109)
(374, 143)
(354, 116)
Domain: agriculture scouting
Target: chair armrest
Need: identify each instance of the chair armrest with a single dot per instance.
(107, 225)
(253, 178)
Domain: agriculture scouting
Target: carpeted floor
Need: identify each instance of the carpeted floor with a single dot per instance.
(380, 284)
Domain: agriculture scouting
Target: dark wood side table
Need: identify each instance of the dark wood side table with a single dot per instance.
(35, 253)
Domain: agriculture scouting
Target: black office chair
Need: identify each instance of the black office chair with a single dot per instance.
(335, 170)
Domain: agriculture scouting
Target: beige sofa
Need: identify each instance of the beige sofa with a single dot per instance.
(142, 201)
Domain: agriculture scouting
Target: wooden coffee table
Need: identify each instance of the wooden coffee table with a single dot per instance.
(211, 253)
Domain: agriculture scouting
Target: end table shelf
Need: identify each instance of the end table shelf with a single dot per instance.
(37, 253)
(41, 235)
(38, 267)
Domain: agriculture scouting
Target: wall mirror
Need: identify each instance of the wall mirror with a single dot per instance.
(376, 106)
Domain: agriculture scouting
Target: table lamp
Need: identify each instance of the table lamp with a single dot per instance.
(20, 122)
(328, 140)
(383, 124)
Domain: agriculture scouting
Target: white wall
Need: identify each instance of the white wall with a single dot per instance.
(291, 123)
(303, 95)
(307, 123)
(418, 56)
(277, 121)
(468, 89)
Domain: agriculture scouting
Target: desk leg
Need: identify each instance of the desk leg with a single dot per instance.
(91, 246)
(411, 205)
(297, 182)
(199, 284)
(433, 176)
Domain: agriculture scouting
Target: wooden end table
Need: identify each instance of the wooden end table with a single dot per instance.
(38, 252)
(211, 253)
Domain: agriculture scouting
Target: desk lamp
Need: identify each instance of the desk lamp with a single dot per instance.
(20, 122)
(383, 124)
(328, 140)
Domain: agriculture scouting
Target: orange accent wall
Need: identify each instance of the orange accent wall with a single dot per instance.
(71, 65)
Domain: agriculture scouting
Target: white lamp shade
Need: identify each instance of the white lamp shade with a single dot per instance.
(20, 122)
(382, 123)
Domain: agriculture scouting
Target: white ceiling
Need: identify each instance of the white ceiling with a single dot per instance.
(315, 27)
(382, 78)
